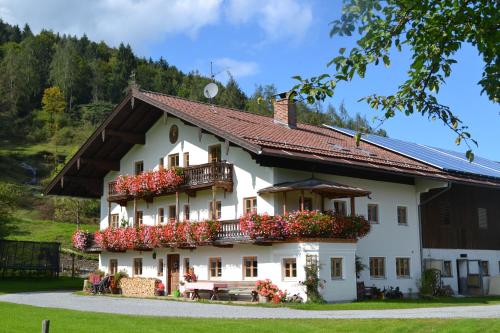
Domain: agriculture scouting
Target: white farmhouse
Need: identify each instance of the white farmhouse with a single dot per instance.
(236, 163)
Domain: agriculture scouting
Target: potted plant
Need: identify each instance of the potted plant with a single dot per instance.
(159, 289)
(268, 291)
(115, 282)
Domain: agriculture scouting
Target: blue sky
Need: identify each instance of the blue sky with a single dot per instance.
(263, 42)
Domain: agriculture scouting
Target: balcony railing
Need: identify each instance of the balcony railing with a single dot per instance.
(231, 230)
(195, 177)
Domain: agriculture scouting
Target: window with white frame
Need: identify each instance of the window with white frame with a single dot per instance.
(161, 215)
(447, 271)
(403, 267)
(250, 268)
(402, 212)
(113, 266)
(160, 267)
(377, 267)
(336, 268)
(250, 205)
(137, 266)
(373, 213)
(485, 267)
(214, 268)
(482, 217)
(289, 268)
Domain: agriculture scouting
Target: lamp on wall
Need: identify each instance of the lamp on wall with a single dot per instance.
(154, 254)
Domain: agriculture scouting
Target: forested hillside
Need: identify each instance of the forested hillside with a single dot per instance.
(55, 89)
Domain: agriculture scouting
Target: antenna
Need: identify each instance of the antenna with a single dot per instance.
(211, 89)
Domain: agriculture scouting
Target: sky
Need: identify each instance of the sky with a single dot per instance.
(264, 42)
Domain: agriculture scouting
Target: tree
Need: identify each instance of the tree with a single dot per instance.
(53, 104)
(433, 31)
(232, 96)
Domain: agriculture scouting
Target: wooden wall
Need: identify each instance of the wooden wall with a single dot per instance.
(450, 221)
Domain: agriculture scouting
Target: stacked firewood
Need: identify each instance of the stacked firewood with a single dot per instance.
(137, 286)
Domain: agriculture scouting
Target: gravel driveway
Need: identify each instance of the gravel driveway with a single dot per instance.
(136, 306)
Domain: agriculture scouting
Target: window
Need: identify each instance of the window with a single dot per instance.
(186, 212)
(249, 267)
(340, 207)
(373, 213)
(482, 217)
(161, 164)
(172, 213)
(161, 215)
(485, 267)
(173, 160)
(113, 266)
(160, 267)
(336, 268)
(186, 265)
(139, 167)
(137, 266)
(215, 268)
(289, 268)
(250, 205)
(308, 204)
(218, 206)
(403, 267)
(138, 218)
(402, 215)
(115, 221)
(447, 269)
(214, 153)
(186, 159)
(377, 267)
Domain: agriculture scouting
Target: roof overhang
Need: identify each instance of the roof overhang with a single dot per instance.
(328, 189)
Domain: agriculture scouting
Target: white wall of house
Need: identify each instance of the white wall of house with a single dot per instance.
(452, 255)
(387, 239)
(269, 258)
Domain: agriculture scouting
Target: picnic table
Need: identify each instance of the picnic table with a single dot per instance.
(212, 287)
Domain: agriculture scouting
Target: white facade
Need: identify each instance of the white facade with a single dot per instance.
(387, 239)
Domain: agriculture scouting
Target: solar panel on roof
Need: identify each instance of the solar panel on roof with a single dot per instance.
(441, 158)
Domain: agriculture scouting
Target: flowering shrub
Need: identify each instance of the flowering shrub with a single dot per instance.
(267, 289)
(148, 237)
(262, 226)
(149, 182)
(304, 224)
(81, 240)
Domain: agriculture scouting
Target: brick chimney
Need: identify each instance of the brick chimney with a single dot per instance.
(285, 112)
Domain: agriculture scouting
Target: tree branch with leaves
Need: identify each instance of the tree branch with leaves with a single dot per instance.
(433, 31)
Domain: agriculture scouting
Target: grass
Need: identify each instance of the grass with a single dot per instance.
(24, 318)
(399, 304)
(16, 285)
(26, 229)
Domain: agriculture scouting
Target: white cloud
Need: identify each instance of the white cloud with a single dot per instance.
(278, 18)
(237, 68)
(143, 22)
(133, 21)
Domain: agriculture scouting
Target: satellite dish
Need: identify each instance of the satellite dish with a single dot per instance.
(210, 90)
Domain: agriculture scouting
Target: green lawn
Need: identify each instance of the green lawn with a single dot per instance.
(15, 285)
(24, 318)
(26, 229)
(400, 304)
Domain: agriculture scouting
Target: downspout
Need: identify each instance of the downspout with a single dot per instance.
(448, 187)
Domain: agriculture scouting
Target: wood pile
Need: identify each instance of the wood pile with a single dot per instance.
(138, 286)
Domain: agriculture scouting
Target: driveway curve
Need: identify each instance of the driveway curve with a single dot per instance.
(162, 308)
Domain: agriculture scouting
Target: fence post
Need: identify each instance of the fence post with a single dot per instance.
(45, 326)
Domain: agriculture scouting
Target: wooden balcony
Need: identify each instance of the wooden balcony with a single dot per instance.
(196, 177)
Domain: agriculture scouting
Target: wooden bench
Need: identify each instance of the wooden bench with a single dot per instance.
(231, 288)
(241, 288)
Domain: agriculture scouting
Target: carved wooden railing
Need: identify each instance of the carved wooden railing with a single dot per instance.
(196, 176)
(230, 230)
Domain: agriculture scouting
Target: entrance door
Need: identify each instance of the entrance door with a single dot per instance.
(462, 273)
(172, 273)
